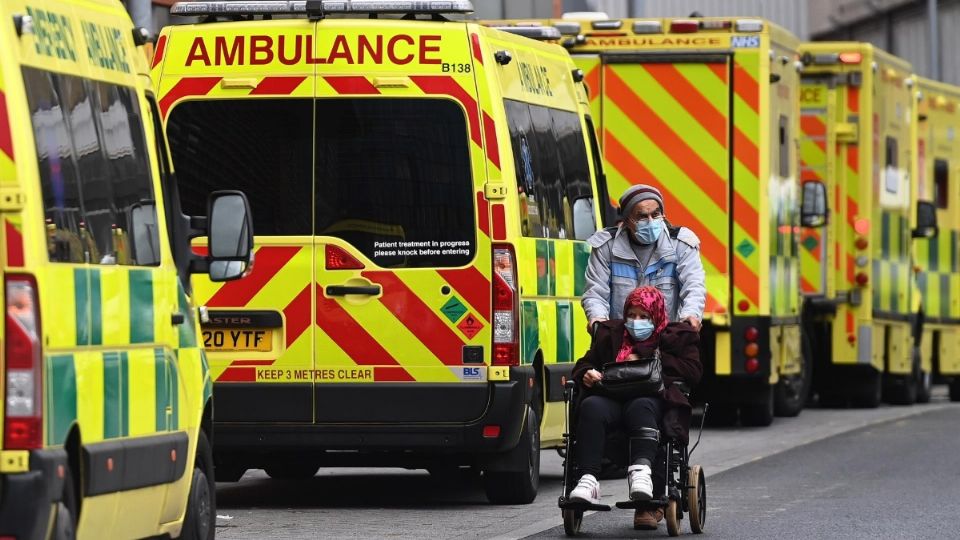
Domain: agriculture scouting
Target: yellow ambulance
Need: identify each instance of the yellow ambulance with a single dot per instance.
(865, 318)
(422, 192)
(105, 389)
(705, 109)
(938, 277)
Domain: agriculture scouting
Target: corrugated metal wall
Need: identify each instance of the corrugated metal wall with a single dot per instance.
(791, 14)
(950, 43)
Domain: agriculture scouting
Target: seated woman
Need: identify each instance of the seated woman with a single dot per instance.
(644, 330)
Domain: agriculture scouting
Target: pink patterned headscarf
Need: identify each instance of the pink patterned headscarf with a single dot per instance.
(649, 299)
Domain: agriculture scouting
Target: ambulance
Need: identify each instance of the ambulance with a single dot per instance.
(865, 313)
(938, 277)
(105, 390)
(705, 109)
(422, 190)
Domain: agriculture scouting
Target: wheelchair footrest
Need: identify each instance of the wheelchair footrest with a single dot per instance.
(581, 506)
(644, 505)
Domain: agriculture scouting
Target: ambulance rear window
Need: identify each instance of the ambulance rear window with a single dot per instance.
(259, 146)
(393, 179)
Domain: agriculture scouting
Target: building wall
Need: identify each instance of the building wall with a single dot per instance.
(791, 14)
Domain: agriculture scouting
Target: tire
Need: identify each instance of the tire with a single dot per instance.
(832, 401)
(518, 487)
(200, 522)
(790, 393)
(572, 519)
(721, 415)
(923, 380)
(868, 392)
(760, 413)
(66, 515)
(673, 518)
(697, 499)
(955, 389)
(900, 389)
(291, 470)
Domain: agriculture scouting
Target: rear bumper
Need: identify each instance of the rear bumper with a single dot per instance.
(26, 498)
(353, 441)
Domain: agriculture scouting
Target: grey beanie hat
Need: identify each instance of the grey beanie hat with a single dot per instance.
(640, 192)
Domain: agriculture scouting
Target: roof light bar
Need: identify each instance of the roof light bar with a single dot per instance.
(568, 28)
(715, 25)
(647, 27)
(532, 32)
(299, 7)
(684, 26)
(749, 25)
(607, 25)
(850, 57)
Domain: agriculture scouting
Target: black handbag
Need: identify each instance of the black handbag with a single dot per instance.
(633, 378)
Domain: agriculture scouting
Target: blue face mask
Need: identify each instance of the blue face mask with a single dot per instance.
(649, 231)
(640, 329)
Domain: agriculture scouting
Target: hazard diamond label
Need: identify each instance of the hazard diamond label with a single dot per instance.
(454, 309)
(470, 326)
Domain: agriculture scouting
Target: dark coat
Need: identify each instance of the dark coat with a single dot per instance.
(679, 345)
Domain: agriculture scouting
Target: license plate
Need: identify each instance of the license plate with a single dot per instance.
(227, 339)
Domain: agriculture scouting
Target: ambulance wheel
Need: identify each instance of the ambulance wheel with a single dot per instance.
(924, 380)
(673, 518)
(65, 518)
(291, 470)
(868, 392)
(697, 499)
(721, 415)
(572, 519)
(759, 413)
(790, 394)
(200, 522)
(518, 487)
(955, 389)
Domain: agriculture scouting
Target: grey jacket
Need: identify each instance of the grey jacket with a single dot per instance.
(614, 270)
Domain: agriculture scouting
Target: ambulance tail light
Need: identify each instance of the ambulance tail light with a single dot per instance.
(337, 258)
(684, 26)
(23, 411)
(506, 307)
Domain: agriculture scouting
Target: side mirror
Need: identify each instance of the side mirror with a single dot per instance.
(144, 238)
(229, 235)
(926, 220)
(813, 208)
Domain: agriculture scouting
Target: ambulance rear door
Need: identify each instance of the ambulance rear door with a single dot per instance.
(666, 121)
(403, 257)
(239, 107)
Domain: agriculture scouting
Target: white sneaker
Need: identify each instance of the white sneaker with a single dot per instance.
(587, 490)
(640, 482)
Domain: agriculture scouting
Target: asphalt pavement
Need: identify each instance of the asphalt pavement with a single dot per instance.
(397, 503)
(894, 479)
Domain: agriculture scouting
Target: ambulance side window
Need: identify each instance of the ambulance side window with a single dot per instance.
(552, 172)
(941, 173)
(94, 173)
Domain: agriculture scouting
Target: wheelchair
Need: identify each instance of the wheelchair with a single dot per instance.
(684, 487)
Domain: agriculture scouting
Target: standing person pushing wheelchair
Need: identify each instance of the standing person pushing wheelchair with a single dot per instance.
(645, 332)
(644, 250)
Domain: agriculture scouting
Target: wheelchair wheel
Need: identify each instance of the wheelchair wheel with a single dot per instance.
(572, 519)
(697, 499)
(673, 519)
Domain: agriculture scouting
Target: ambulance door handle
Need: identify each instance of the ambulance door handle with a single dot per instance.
(341, 290)
(177, 318)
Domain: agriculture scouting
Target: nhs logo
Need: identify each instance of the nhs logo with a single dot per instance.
(745, 42)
